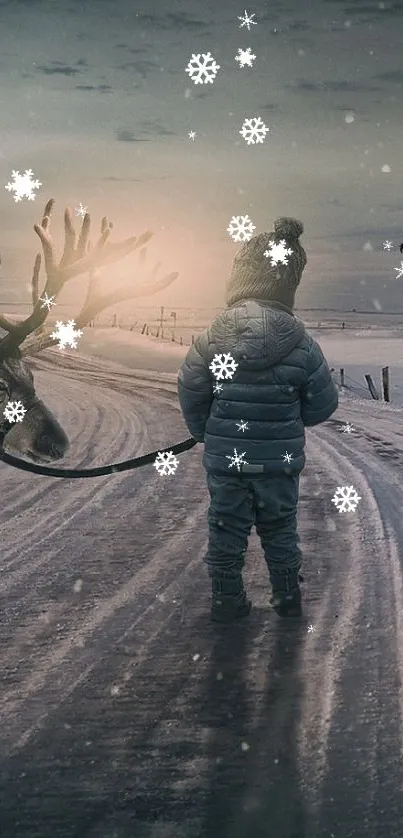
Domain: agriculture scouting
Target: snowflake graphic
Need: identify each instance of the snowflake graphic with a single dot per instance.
(278, 252)
(241, 228)
(387, 245)
(346, 499)
(202, 68)
(14, 411)
(191, 135)
(23, 185)
(166, 462)
(242, 425)
(81, 211)
(399, 271)
(48, 302)
(245, 57)
(287, 457)
(237, 459)
(347, 428)
(311, 629)
(254, 130)
(247, 20)
(217, 388)
(218, 366)
(66, 334)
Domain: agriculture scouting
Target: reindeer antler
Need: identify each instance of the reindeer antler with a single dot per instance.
(74, 261)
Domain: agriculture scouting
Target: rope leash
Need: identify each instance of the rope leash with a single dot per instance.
(126, 465)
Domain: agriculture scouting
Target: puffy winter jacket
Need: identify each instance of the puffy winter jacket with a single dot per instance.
(281, 384)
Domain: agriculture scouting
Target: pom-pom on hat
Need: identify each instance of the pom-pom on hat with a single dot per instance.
(254, 276)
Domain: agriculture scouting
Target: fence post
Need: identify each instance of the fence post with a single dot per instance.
(371, 387)
(181, 340)
(342, 377)
(193, 339)
(144, 328)
(385, 384)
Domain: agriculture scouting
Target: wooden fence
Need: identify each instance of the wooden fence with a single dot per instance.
(385, 384)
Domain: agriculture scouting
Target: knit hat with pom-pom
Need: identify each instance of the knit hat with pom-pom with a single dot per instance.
(259, 271)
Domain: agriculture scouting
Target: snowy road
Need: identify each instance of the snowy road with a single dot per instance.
(123, 712)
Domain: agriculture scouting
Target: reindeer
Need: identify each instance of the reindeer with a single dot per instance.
(39, 436)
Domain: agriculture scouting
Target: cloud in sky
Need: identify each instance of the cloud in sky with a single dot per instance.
(95, 99)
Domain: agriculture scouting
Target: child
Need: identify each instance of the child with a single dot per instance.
(281, 383)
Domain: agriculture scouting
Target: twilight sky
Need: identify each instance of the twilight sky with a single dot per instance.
(94, 98)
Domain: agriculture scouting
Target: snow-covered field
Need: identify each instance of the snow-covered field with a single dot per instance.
(123, 712)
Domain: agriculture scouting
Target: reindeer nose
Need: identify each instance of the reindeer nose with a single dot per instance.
(54, 445)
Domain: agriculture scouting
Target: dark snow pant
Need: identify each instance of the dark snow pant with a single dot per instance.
(270, 503)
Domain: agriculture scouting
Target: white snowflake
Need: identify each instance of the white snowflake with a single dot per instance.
(166, 462)
(245, 57)
(241, 228)
(237, 459)
(217, 388)
(202, 68)
(387, 245)
(278, 252)
(346, 499)
(287, 457)
(81, 211)
(242, 425)
(254, 130)
(66, 334)
(399, 271)
(347, 428)
(218, 366)
(311, 629)
(191, 135)
(14, 411)
(23, 185)
(48, 302)
(247, 20)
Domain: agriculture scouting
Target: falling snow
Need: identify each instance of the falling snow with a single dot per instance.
(278, 252)
(399, 271)
(202, 68)
(254, 130)
(287, 457)
(237, 459)
(81, 211)
(223, 366)
(166, 462)
(347, 428)
(14, 411)
(241, 228)
(23, 185)
(66, 334)
(387, 245)
(217, 388)
(48, 302)
(242, 425)
(247, 20)
(346, 499)
(245, 57)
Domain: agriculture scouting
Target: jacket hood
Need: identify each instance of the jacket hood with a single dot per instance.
(258, 334)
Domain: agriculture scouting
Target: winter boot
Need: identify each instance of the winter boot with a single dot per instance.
(229, 602)
(286, 597)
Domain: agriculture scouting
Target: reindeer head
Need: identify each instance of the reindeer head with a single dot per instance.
(39, 435)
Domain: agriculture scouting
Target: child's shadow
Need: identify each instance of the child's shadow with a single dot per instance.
(252, 702)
